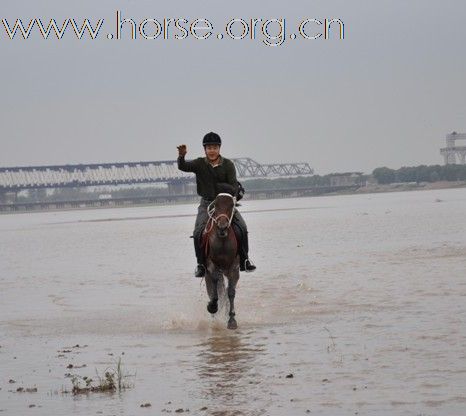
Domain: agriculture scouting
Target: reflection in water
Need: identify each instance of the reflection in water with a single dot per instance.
(227, 372)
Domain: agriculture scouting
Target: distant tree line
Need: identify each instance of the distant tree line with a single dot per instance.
(298, 182)
(282, 183)
(422, 173)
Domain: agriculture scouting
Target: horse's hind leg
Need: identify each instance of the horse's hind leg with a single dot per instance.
(232, 281)
(212, 306)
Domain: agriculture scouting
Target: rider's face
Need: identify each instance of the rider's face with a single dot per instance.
(212, 151)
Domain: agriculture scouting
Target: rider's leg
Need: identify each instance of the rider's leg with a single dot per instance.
(201, 221)
(198, 249)
(245, 263)
(239, 236)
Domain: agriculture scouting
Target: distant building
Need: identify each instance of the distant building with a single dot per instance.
(453, 154)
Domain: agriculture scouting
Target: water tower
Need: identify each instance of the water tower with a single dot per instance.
(452, 152)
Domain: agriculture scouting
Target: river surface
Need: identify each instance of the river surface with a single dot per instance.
(360, 300)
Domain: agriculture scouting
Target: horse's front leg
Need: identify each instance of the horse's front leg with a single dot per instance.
(232, 281)
(212, 289)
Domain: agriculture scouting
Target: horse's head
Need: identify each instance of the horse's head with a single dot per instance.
(223, 210)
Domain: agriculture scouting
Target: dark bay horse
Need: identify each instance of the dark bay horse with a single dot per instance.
(222, 254)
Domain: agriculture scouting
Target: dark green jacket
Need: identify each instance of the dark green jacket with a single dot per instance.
(210, 180)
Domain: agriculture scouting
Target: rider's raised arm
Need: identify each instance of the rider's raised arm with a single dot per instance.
(182, 163)
(187, 166)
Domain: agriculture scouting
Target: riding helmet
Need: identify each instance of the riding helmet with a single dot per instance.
(211, 138)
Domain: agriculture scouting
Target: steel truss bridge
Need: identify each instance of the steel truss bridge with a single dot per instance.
(15, 179)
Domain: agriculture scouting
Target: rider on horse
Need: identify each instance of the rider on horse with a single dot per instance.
(214, 174)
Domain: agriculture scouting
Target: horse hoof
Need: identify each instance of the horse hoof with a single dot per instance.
(232, 324)
(212, 307)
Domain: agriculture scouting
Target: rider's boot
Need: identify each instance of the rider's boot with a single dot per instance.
(200, 268)
(199, 271)
(248, 266)
(245, 264)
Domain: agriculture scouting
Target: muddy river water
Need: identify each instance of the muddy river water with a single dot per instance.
(357, 307)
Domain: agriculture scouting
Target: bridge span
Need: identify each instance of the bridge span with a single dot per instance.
(18, 178)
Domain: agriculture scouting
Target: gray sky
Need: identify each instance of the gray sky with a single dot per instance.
(384, 96)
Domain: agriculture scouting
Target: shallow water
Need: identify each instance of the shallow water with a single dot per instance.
(360, 297)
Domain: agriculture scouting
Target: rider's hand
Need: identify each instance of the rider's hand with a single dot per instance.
(182, 150)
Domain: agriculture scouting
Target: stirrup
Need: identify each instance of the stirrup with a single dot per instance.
(200, 271)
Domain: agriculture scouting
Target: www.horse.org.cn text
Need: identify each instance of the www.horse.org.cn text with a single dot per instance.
(271, 31)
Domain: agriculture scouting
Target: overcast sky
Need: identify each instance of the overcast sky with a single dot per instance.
(386, 95)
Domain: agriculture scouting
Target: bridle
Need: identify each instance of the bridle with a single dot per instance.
(211, 212)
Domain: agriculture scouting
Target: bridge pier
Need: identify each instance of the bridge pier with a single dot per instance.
(8, 197)
(179, 188)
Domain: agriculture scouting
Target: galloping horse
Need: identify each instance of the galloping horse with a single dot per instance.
(222, 253)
